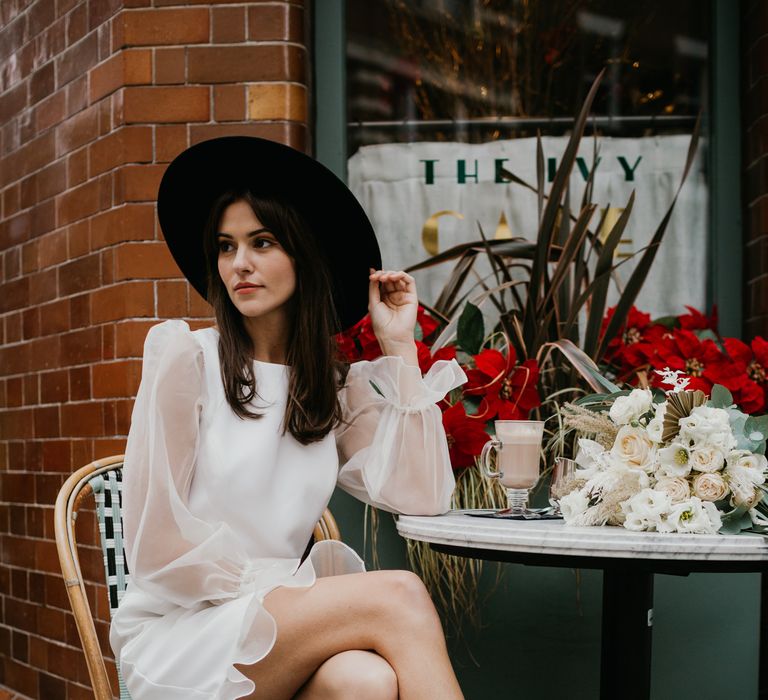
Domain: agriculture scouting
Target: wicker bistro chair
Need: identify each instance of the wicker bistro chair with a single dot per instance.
(103, 479)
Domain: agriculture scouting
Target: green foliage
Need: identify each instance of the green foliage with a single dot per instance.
(736, 520)
(750, 432)
(471, 331)
(720, 397)
(550, 293)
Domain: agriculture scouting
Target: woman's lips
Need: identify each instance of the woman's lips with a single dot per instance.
(247, 288)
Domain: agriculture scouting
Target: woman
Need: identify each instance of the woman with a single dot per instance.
(236, 440)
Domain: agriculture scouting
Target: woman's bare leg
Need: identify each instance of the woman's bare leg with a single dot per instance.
(351, 674)
(389, 612)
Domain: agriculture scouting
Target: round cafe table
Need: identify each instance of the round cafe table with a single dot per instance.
(628, 561)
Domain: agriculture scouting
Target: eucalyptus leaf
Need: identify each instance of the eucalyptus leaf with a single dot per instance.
(756, 432)
(721, 397)
(734, 521)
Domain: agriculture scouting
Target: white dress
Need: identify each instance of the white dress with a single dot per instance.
(218, 510)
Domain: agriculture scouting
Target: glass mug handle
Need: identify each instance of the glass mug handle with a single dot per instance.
(484, 459)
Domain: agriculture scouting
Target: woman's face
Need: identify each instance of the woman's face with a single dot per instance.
(258, 274)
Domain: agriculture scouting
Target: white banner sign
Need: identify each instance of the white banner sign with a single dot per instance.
(402, 185)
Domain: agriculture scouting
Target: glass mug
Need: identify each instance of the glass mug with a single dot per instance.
(563, 475)
(518, 448)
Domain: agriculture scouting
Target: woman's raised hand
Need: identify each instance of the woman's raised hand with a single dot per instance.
(392, 303)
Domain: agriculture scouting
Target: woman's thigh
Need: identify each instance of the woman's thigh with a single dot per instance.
(351, 675)
(336, 614)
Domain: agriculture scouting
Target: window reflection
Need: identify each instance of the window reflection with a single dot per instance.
(451, 70)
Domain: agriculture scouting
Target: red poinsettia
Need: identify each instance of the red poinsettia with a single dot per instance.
(427, 324)
(633, 346)
(466, 435)
(427, 358)
(694, 320)
(701, 360)
(752, 360)
(508, 389)
(360, 342)
(346, 348)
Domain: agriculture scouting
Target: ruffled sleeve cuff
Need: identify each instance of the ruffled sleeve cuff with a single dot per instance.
(393, 381)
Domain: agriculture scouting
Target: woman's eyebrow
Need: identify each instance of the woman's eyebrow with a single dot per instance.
(249, 234)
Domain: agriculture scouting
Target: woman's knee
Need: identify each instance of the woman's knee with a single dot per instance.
(404, 593)
(354, 674)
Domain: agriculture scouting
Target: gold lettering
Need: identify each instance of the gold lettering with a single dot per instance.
(611, 217)
(429, 237)
(503, 230)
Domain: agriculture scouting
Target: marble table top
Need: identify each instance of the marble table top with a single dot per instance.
(553, 537)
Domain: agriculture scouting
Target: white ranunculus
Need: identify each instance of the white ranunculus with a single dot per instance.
(710, 487)
(743, 482)
(646, 510)
(674, 460)
(677, 488)
(625, 409)
(707, 459)
(633, 448)
(655, 426)
(695, 517)
(707, 426)
(573, 504)
(590, 458)
(748, 460)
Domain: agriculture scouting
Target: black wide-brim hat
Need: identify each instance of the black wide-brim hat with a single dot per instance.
(201, 174)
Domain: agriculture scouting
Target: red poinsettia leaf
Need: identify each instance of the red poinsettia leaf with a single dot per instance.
(447, 352)
(760, 349)
(751, 398)
(423, 356)
(491, 363)
(740, 352)
(346, 348)
(637, 319)
(427, 324)
(479, 383)
(466, 435)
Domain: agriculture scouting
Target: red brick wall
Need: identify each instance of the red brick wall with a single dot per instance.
(96, 96)
(755, 130)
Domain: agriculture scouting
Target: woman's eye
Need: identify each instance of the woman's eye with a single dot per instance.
(262, 243)
(225, 246)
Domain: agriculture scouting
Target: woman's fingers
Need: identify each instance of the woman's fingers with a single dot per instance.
(392, 280)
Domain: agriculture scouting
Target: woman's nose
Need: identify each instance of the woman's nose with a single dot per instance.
(242, 260)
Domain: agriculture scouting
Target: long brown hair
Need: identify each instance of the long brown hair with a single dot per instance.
(313, 408)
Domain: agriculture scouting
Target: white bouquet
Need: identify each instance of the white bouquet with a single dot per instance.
(674, 462)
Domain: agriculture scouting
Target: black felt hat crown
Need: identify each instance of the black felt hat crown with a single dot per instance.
(201, 174)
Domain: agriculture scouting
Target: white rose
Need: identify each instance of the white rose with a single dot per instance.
(625, 409)
(708, 426)
(677, 488)
(674, 460)
(572, 505)
(707, 459)
(695, 517)
(655, 426)
(633, 448)
(710, 487)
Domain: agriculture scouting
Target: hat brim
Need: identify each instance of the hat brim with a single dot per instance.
(201, 174)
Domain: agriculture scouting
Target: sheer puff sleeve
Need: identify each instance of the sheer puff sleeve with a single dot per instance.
(391, 443)
(171, 553)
